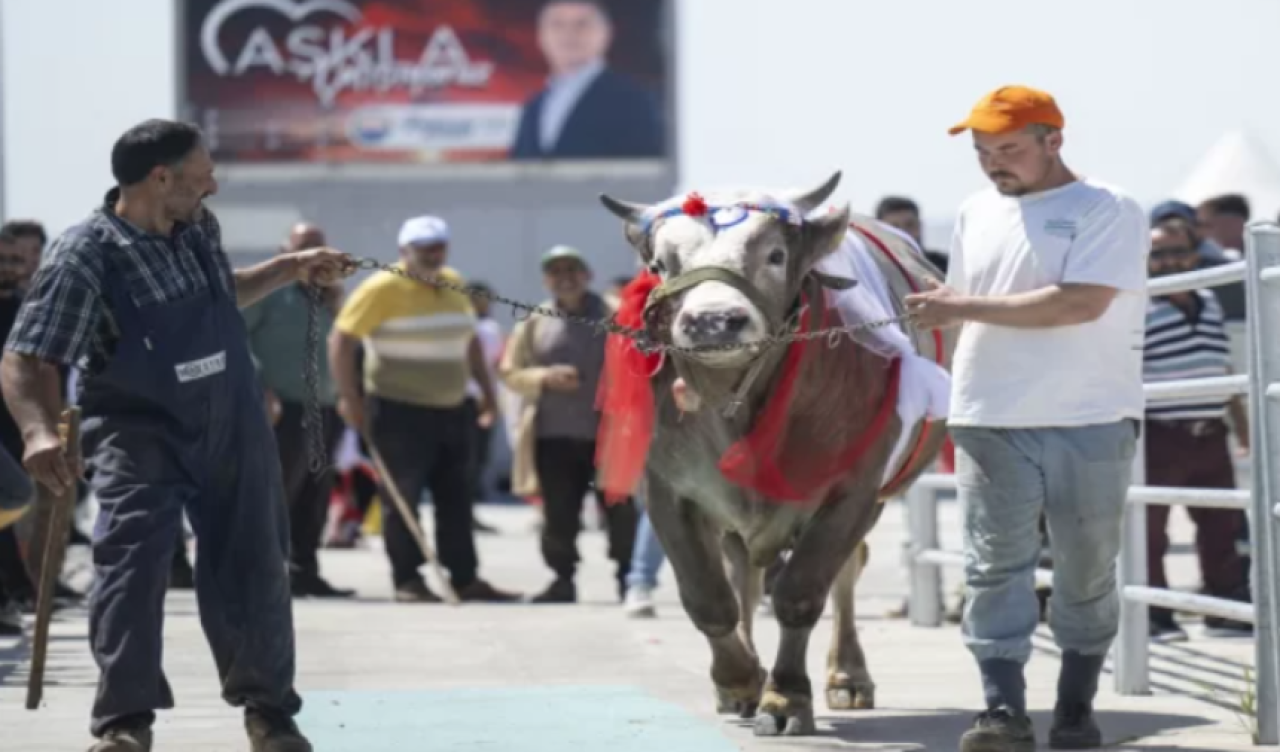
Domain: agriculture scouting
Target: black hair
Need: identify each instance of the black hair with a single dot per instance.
(597, 4)
(151, 144)
(1229, 203)
(890, 204)
(23, 228)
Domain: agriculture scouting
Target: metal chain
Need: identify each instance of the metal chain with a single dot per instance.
(643, 339)
(313, 419)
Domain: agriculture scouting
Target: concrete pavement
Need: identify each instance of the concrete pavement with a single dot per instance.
(378, 676)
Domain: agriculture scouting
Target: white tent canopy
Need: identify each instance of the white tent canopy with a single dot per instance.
(1236, 163)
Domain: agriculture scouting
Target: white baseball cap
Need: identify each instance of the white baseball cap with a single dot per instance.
(424, 230)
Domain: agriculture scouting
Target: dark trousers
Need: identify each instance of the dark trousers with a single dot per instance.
(566, 469)
(1194, 454)
(306, 493)
(426, 448)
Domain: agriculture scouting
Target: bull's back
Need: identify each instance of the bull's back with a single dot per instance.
(907, 270)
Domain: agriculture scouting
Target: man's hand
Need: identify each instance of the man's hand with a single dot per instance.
(939, 307)
(561, 378)
(486, 413)
(352, 412)
(46, 461)
(323, 267)
(273, 406)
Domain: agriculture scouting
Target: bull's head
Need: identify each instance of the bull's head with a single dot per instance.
(732, 274)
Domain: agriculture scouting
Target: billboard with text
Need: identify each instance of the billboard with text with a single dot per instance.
(427, 80)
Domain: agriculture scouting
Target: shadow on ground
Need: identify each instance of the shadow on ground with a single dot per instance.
(939, 731)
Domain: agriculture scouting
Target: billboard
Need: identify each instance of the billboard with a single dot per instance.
(409, 81)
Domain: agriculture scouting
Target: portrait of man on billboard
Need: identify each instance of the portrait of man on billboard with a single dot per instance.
(586, 110)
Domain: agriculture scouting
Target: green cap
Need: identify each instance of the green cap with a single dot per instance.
(563, 252)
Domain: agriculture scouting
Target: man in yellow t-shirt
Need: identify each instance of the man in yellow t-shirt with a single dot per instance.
(420, 350)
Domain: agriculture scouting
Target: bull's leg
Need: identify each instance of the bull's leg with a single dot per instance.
(748, 583)
(799, 595)
(849, 684)
(693, 548)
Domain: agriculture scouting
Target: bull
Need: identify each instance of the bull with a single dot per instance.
(759, 445)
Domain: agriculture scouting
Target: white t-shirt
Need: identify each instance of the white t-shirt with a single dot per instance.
(1086, 374)
(489, 333)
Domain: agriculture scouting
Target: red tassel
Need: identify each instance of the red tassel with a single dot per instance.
(694, 205)
(625, 398)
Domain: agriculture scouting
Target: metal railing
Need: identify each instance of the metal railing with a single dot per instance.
(1261, 274)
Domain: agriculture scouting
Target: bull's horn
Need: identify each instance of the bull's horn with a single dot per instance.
(624, 210)
(807, 202)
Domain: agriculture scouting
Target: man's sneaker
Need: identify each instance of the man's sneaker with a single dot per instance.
(1074, 728)
(124, 739)
(639, 603)
(10, 619)
(479, 591)
(561, 590)
(999, 730)
(1166, 632)
(273, 732)
(416, 591)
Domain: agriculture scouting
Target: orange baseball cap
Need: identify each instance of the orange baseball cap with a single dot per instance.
(1011, 108)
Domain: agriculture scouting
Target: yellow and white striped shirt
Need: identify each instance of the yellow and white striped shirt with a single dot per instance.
(415, 338)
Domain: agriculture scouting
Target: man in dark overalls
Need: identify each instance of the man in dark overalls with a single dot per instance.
(142, 299)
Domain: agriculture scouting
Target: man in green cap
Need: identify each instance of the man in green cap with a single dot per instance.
(555, 367)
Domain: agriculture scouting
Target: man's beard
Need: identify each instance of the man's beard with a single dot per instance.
(9, 285)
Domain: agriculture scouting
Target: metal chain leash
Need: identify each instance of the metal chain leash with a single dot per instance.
(313, 419)
(643, 339)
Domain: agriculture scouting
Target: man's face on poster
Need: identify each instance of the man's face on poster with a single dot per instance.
(573, 34)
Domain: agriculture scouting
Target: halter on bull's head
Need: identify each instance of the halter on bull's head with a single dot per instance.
(732, 265)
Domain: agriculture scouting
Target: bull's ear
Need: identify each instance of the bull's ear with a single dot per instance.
(631, 215)
(822, 235)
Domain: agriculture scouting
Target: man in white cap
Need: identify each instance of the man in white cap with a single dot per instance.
(420, 351)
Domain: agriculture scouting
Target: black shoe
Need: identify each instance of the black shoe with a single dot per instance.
(562, 590)
(10, 620)
(1216, 626)
(416, 591)
(315, 586)
(127, 737)
(999, 730)
(483, 527)
(273, 732)
(1074, 727)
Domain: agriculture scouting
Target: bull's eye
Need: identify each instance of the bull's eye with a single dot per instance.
(777, 257)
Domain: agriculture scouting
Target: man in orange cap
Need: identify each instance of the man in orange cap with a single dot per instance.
(1047, 278)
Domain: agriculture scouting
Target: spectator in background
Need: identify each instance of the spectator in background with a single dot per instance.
(420, 349)
(555, 366)
(1186, 439)
(1223, 218)
(1206, 247)
(489, 332)
(1209, 252)
(904, 214)
(587, 110)
(29, 238)
(277, 327)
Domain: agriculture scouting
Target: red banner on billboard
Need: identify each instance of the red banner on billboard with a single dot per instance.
(427, 80)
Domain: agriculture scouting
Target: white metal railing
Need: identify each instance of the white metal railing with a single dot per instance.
(1261, 273)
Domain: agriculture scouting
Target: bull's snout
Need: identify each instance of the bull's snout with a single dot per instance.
(714, 327)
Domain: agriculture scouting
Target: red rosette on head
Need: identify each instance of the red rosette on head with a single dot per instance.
(625, 398)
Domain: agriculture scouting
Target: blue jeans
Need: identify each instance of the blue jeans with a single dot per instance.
(647, 557)
(1079, 477)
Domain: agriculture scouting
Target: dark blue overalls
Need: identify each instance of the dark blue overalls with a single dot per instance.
(176, 421)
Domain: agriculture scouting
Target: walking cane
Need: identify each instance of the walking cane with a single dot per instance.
(410, 516)
(54, 510)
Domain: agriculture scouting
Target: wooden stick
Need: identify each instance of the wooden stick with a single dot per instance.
(55, 534)
(409, 513)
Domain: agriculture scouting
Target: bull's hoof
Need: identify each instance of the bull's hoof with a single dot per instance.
(781, 715)
(741, 701)
(862, 697)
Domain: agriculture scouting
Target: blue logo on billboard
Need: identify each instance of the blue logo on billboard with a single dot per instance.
(368, 128)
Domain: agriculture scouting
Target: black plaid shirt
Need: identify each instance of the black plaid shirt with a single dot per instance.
(65, 317)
